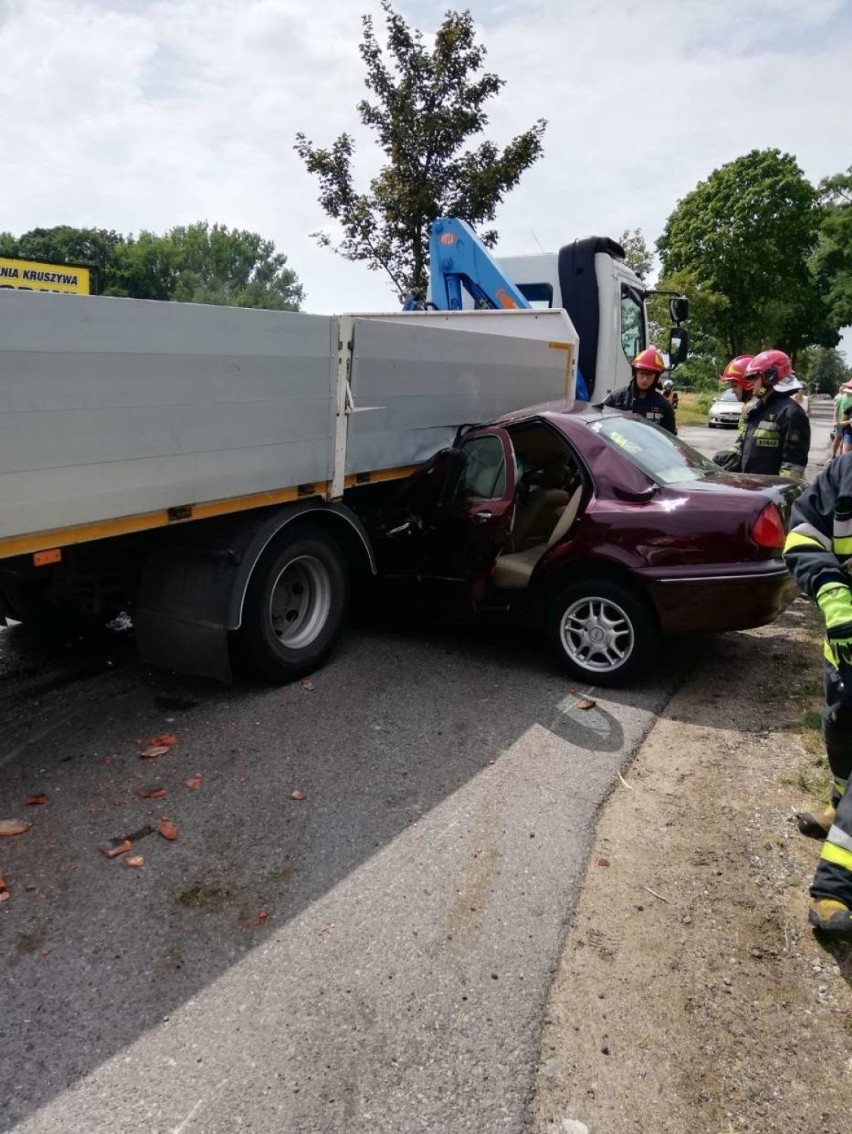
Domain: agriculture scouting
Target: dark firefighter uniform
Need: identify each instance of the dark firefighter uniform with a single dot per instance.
(818, 553)
(732, 459)
(776, 437)
(653, 405)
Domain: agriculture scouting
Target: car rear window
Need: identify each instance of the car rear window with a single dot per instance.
(662, 457)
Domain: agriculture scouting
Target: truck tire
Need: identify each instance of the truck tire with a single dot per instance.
(295, 605)
(602, 632)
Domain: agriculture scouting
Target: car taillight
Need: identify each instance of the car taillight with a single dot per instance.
(768, 530)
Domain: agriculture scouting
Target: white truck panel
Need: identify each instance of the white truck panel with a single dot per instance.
(417, 376)
(115, 407)
(112, 408)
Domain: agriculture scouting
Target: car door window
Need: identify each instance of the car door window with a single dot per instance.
(632, 323)
(483, 476)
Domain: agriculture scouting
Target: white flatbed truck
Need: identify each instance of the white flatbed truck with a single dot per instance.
(191, 463)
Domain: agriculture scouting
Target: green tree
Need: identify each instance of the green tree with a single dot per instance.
(143, 268)
(427, 106)
(197, 263)
(746, 235)
(822, 368)
(202, 263)
(638, 255)
(833, 258)
(707, 356)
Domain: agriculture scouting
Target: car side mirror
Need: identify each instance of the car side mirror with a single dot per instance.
(634, 495)
(679, 308)
(678, 346)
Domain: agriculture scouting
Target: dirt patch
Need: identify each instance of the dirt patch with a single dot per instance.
(692, 995)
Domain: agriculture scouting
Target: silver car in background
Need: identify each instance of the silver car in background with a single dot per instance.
(724, 411)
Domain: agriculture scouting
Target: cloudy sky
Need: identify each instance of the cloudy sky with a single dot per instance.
(143, 114)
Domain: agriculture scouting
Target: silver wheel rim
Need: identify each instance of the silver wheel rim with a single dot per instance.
(300, 602)
(596, 634)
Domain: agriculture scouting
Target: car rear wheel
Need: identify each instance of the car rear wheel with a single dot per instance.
(602, 632)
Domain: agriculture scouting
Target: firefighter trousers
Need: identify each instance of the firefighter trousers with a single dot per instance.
(837, 731)
(833, 877)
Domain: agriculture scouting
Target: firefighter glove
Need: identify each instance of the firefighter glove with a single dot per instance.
(835, 602)
(728, 459)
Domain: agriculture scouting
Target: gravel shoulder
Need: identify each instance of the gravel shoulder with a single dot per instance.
(692, 995)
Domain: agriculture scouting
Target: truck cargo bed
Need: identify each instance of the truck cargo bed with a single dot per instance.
(112, 409)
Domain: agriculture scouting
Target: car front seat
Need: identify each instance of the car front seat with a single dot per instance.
(536, 516)
(512, 571)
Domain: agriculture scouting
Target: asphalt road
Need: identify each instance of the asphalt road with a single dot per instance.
(710, 441)
(374, 957)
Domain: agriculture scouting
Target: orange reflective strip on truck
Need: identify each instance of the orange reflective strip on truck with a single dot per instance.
(43, 545)
(43, 558)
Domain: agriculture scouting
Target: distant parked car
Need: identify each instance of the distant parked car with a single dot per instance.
(724, 411)
(603, 530)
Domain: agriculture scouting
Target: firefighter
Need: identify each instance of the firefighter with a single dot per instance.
(777, 434)
(817, 553)
(734, 377)
(670, 394)
(642, 396)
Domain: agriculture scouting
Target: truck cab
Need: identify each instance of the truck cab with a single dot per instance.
(610, 315)
(589, 278)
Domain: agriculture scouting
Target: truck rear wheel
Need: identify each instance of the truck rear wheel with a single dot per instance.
(295, 605)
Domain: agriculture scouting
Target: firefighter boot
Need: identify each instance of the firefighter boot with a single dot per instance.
(815, 826)
(832, 917)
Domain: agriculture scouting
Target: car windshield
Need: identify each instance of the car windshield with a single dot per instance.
(727, 396)
(662, 457)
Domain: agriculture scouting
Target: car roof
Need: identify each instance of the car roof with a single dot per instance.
(572, 420)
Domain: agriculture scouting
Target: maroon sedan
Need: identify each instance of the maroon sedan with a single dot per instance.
(603, 530)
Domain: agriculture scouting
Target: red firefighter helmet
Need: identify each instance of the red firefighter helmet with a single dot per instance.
(769, 367)
(649, 359)
(735, 371)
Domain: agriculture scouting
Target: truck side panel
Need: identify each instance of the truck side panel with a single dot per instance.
(116, 407)
(121, 415)
(417, 377)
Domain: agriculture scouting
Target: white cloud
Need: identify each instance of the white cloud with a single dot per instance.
(133, 114)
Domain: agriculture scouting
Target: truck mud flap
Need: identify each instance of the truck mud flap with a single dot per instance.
(186, 647)
(181, 614)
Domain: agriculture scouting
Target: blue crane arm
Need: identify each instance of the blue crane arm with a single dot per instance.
(458, 259)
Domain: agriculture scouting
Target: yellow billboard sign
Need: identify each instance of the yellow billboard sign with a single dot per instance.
(31, 275)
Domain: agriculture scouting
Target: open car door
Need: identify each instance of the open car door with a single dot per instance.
(453, 518)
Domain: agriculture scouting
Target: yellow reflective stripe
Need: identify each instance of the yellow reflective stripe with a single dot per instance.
(166, 517)
(814, 533)
(837, 855)
(842, 546)
(799, 539)
(828, 655)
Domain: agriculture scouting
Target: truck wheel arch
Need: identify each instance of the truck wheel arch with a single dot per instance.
(340, 522)
(196, 579)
